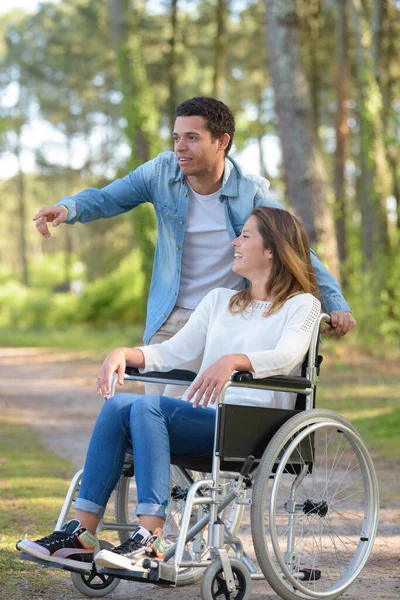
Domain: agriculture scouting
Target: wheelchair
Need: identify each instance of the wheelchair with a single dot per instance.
(304, 474)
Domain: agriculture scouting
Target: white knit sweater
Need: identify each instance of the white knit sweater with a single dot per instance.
(275, 345)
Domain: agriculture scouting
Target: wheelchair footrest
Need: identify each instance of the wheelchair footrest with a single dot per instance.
(157, 572)
(86, 567)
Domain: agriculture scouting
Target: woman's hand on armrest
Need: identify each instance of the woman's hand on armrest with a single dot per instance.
(210, 383)
(116, 362)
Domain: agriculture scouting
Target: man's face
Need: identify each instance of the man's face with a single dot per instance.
(197, 152)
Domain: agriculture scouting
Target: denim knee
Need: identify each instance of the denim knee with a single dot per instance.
(118, 404)
(144, 405)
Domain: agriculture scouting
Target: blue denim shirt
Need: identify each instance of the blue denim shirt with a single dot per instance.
(161, 182)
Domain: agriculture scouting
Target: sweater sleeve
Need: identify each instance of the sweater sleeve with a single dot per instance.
(293, 343)
(185, 346)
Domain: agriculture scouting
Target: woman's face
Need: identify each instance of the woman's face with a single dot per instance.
(251, 259)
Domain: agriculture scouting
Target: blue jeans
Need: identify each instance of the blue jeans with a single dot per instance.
(156, 427)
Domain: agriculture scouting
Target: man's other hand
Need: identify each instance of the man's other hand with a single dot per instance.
(341, 323)
(49, 214)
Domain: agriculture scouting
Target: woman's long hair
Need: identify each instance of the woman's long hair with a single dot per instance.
(292, 272)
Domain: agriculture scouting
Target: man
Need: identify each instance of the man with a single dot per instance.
(202, 199)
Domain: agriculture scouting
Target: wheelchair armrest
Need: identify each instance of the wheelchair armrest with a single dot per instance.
(298, 383)
(180, 376)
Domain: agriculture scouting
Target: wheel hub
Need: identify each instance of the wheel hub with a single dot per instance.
(312, 507)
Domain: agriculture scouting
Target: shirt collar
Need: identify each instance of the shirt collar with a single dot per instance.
(230, 179)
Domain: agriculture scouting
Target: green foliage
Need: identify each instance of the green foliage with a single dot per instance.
(374, 297)
(47, 270)
(116, 298)
(22, 307)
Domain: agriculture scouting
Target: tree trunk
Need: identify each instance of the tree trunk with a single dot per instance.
(341, 126)
(304, 169)
(374, 175)
(172, 101)
(314, 10)
(219, 58)
(387, 86)
(22, 216)
(138, 105)
(260, 136)
(141, 116)
(376, 30)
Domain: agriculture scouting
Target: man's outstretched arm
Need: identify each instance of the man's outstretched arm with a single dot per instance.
(91, 204)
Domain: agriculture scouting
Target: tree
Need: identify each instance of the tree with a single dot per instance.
(141, 117)
(386, 61)
(172, 66)
(341, 125)
(304, 170)
(374, 175)
(13, 119)
(219, 57)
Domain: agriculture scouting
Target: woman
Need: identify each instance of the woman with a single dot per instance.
(265, 329)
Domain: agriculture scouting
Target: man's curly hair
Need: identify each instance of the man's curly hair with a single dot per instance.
(219, 119)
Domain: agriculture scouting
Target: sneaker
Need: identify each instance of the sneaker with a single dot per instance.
(130, 555)
(72, 546)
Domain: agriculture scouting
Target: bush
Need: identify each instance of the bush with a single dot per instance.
(23, 308)
(117, 298)
(48, 270)
(374, 297)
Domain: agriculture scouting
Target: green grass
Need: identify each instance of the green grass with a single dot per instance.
(33, 484)
(73, 338)
(366, 390)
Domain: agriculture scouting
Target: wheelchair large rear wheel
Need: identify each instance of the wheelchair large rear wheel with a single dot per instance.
(125, 506)
(315, 507)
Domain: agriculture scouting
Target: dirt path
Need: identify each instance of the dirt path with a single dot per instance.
(54, 394)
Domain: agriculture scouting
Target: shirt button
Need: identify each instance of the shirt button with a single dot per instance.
(177, 270)
(175, 294)
(186, 195)
(163, 316)
(180, 222)
(167, 214)
(177, 248)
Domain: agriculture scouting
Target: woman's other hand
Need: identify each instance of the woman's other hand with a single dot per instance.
(114, 363)
(210, 383)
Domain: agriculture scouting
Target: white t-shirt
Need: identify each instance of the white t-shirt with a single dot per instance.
(275, 345)
(207, 253)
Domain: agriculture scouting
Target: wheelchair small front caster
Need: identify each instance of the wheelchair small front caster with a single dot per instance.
(94, 584)
(214, 585)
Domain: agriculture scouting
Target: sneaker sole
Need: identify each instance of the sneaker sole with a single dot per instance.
(114, 561)
(82, 566)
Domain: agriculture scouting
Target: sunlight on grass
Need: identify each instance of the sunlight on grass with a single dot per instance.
(366, 390)
(33, 484)
(367, 413)
(74, 338)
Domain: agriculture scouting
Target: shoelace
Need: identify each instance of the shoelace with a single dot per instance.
(56, 536)
(127, 547)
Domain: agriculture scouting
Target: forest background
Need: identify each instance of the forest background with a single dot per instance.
(313, 84)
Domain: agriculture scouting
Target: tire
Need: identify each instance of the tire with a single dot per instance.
(93, 584)
(214, 586)
(330, 514)
(125, 505)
